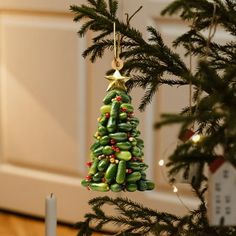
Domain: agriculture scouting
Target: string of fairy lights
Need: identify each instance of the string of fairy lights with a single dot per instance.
(195, 139)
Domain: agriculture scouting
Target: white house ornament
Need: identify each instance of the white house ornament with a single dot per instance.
(222, 193)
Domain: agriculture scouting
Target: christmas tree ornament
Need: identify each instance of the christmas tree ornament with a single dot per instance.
(188, 174)
(222, 192)
(117, 154)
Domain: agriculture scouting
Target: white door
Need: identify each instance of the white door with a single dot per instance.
(49, 102)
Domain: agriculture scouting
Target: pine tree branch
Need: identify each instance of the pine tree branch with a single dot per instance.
(152, 52)
(195, 223)
(213, 112)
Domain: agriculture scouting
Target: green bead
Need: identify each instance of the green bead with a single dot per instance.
(102, 187)
(124, 155)
(105, 109)
(116, 187)
(132, 187)
(107, 150)
(150, 185)
(123, 116)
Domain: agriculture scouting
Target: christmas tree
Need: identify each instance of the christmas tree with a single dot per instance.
(212, 113)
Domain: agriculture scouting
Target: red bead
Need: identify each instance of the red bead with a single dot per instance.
(124, 109)
(88, 177)
(113, 141)
(113, 156)
(107, 115)
(129, 171)
(89, 163)
(117, 149)
(118, 98)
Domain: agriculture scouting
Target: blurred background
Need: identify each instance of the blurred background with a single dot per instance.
(49, 103)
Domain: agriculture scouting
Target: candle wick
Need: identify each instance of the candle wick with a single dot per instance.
(51, 195)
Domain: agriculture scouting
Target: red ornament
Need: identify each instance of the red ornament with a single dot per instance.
(118, 98)
(88, 177)
(107, 115)
(113, 141)
(112, 156)
(117, 149)
(129, 171)
(89, 163)
(186, 135)
(124, 109)
(113, 147)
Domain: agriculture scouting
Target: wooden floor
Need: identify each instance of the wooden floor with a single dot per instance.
(12, 225)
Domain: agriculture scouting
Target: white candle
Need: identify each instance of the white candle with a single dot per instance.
(50, 215)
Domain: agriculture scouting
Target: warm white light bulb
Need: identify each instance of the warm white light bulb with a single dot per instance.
(175, 189)
(196, 138)
(161, 163)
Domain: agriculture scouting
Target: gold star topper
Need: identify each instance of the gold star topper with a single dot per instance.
(117, 81)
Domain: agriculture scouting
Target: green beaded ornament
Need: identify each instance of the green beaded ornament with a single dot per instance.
(117, 154)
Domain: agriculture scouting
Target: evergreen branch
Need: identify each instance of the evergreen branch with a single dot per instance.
(167, 119)
(201, 12)
(147, 221)
(186, 9)
(98, 49)
(155, 36)
(140, 81)
(84, 28)
(164, 223)
(101, 37)
(148, 94)
(99, 19)
(147, 63)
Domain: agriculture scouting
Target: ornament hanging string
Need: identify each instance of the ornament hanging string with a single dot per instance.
(114, 39)
(117, 63)
(116, 80)
(190, 84)
(212, 31)
(211, 34)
